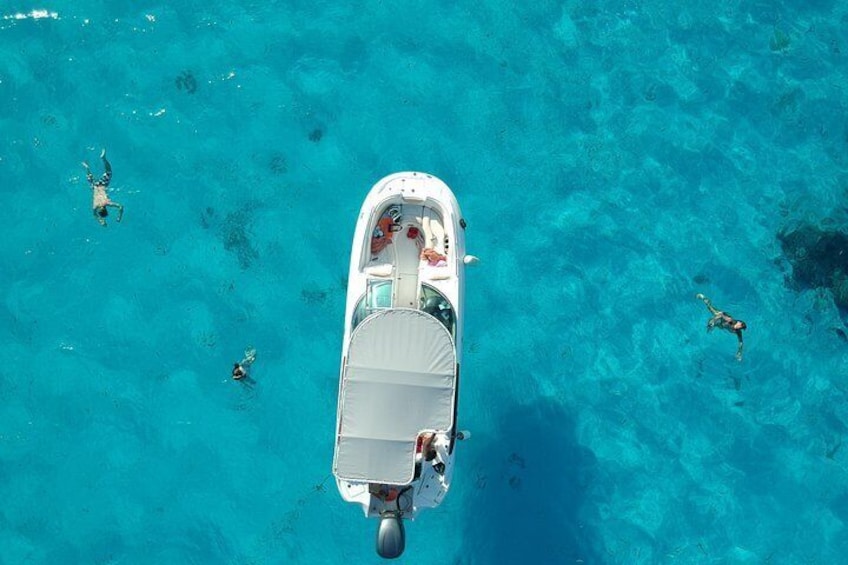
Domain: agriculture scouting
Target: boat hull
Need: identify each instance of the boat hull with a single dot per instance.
(407, 267)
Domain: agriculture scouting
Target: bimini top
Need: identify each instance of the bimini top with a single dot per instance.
(399, 380)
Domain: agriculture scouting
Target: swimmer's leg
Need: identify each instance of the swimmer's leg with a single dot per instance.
(88, 174)
(249, 356)
(107, 176)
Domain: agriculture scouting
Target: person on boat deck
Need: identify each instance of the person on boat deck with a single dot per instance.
(434, 258)
(724, 321)
(426, 446)
(241, 369)
(98, 190)
(382, 235)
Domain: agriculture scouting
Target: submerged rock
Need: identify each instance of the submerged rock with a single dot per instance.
(819, 259)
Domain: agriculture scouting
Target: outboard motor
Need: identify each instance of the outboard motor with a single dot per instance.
(391, 539)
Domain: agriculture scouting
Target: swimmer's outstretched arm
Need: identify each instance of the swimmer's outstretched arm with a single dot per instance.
(739, 347)
(713, 309)
(118, 206)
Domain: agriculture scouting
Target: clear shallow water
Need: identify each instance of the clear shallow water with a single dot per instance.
(611, 159)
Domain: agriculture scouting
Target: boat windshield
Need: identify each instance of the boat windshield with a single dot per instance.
(434, 303)
(378, 296)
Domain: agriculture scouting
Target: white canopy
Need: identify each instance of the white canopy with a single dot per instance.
(399, 380)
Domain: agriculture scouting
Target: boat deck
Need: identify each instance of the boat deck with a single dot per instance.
(407, 252)
(400, 258)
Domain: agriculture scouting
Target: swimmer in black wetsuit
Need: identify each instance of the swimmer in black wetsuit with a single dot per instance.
(724, 321)
(241, 369)
(98, 187)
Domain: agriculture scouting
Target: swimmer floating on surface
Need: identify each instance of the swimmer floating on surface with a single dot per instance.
(724, 321)
(98, 189)
(242, 368)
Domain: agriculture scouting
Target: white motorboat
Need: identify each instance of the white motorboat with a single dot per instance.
(402, 352)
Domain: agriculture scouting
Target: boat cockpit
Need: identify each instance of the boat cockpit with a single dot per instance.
(408, 257)
(378, 296)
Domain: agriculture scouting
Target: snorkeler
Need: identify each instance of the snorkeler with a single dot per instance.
(724, 321)
(98, 189)
(242, 368)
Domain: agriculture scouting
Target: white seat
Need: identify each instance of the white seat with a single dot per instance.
(435, 273)
(384, 270)
(434, 233)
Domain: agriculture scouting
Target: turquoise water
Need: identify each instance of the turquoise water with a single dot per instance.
(611, 158)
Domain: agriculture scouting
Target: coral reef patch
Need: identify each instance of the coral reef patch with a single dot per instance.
(234, 233)
(186, 81)
(237, 240)
(313, 296)
(278, 163)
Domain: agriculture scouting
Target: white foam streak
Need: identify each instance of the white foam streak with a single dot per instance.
(33, 15)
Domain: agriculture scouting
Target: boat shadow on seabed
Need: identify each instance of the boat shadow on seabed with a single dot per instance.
(529, 500)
